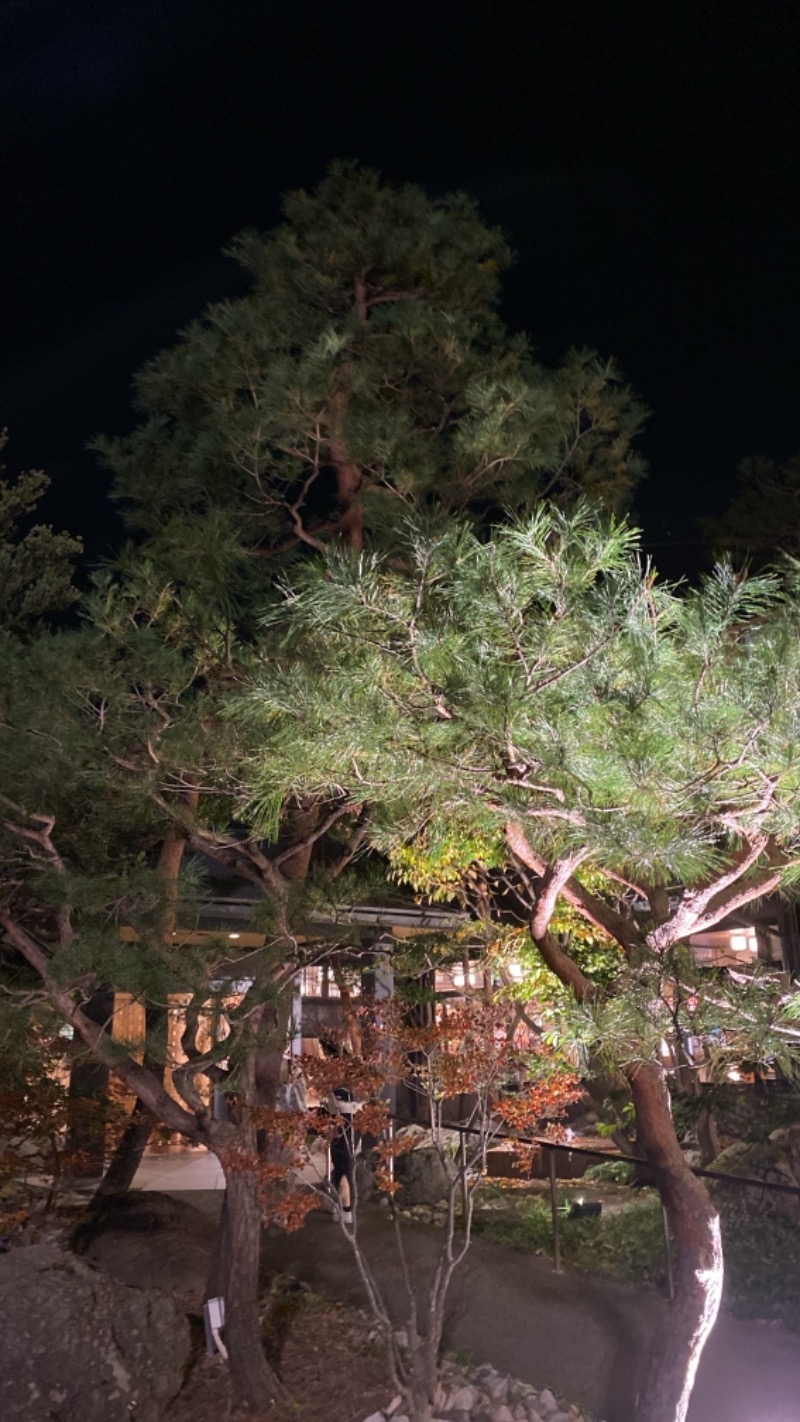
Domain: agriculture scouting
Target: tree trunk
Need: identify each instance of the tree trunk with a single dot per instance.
(235, 1272)
(127, 1157)
(421, 1390)
(88, 1091)
(678, 1346)
(132, 1144)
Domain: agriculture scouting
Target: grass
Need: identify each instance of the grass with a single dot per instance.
(762, 1254)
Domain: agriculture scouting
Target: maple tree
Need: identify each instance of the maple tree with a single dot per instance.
(516, 1086)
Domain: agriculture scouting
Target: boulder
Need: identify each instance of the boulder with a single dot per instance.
(150, 1240)
(423, 1178)
(79, 1346)
(775, 1161)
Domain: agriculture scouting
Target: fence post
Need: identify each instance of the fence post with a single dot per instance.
(667, 1253)
(462, 1161)
(551, 1162)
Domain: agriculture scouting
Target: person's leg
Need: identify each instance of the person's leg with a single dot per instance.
(342, 1173)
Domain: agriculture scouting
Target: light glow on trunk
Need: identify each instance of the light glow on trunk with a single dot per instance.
(710, 1281)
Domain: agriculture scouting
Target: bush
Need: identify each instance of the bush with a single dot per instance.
(625, 1245)
(762, 1255)
(613, 1172)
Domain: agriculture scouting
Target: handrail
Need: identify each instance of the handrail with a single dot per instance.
(744, 1180)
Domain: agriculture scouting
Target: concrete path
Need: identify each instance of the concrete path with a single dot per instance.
(583, 1336)
(177, 1169)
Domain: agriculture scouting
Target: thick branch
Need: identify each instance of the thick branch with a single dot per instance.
(140, 1080)
(693, 905)
(592, 908)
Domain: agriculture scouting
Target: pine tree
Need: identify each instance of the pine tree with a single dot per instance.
(763, 517)
(367, 371)
(366, 375)
(36, 564)
(540, 697)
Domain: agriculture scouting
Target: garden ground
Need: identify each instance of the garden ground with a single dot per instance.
(581, 1335)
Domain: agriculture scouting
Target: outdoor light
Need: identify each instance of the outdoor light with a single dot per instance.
(581, 1209)
(234, 935)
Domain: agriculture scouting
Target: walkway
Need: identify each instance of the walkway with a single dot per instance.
(581, 1335)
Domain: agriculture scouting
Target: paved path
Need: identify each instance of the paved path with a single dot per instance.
(581, 1335)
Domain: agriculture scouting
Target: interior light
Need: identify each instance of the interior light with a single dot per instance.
(739, 942)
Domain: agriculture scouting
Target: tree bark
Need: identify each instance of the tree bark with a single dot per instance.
(87, 1092)
(237, 1271)
(677, 1348)
(132, 1143)
(127, 1157)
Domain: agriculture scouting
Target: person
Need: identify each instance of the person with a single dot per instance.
(344, 1148)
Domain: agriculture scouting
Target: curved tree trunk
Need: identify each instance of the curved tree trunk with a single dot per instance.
(132, 1144)
(677, 1348)
(128, 1154)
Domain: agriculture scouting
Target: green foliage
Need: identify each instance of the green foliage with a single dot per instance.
(762, 1255)
(36, 564)
(613, 1172)
(542, 678)
(626, 1244)
(365, 374)
(763, 518)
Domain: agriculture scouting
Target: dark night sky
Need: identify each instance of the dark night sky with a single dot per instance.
(643, 158)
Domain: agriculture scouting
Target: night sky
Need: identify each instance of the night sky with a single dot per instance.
(643, 159)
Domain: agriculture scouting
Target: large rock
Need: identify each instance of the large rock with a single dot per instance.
(77, 1346)
(775, 1161)
(151, 1241)
(423, 1178)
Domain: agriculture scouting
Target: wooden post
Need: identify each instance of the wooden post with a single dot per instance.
(551, 1161)
(462, 1160)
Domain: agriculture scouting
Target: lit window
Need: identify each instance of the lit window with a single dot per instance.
(311, 981)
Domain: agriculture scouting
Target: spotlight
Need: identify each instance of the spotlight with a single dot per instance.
(582, 1209)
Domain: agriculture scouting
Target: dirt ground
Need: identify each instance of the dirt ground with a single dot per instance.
(330, 1369)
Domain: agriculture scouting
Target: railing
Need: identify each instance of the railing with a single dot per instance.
(551, 1147)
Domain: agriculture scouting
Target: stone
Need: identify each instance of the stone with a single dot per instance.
(547, 1401)
(148, 1239)
(502, 1413)
(496, 1386)
(374, 1417)
(29, 1148)
(422, 1177)
(80, 1346)
(462, 1400)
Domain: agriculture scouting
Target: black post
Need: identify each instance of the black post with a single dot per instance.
(551, 1161)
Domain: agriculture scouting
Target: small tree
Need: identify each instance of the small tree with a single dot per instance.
(540, 692)
(470, 1047)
